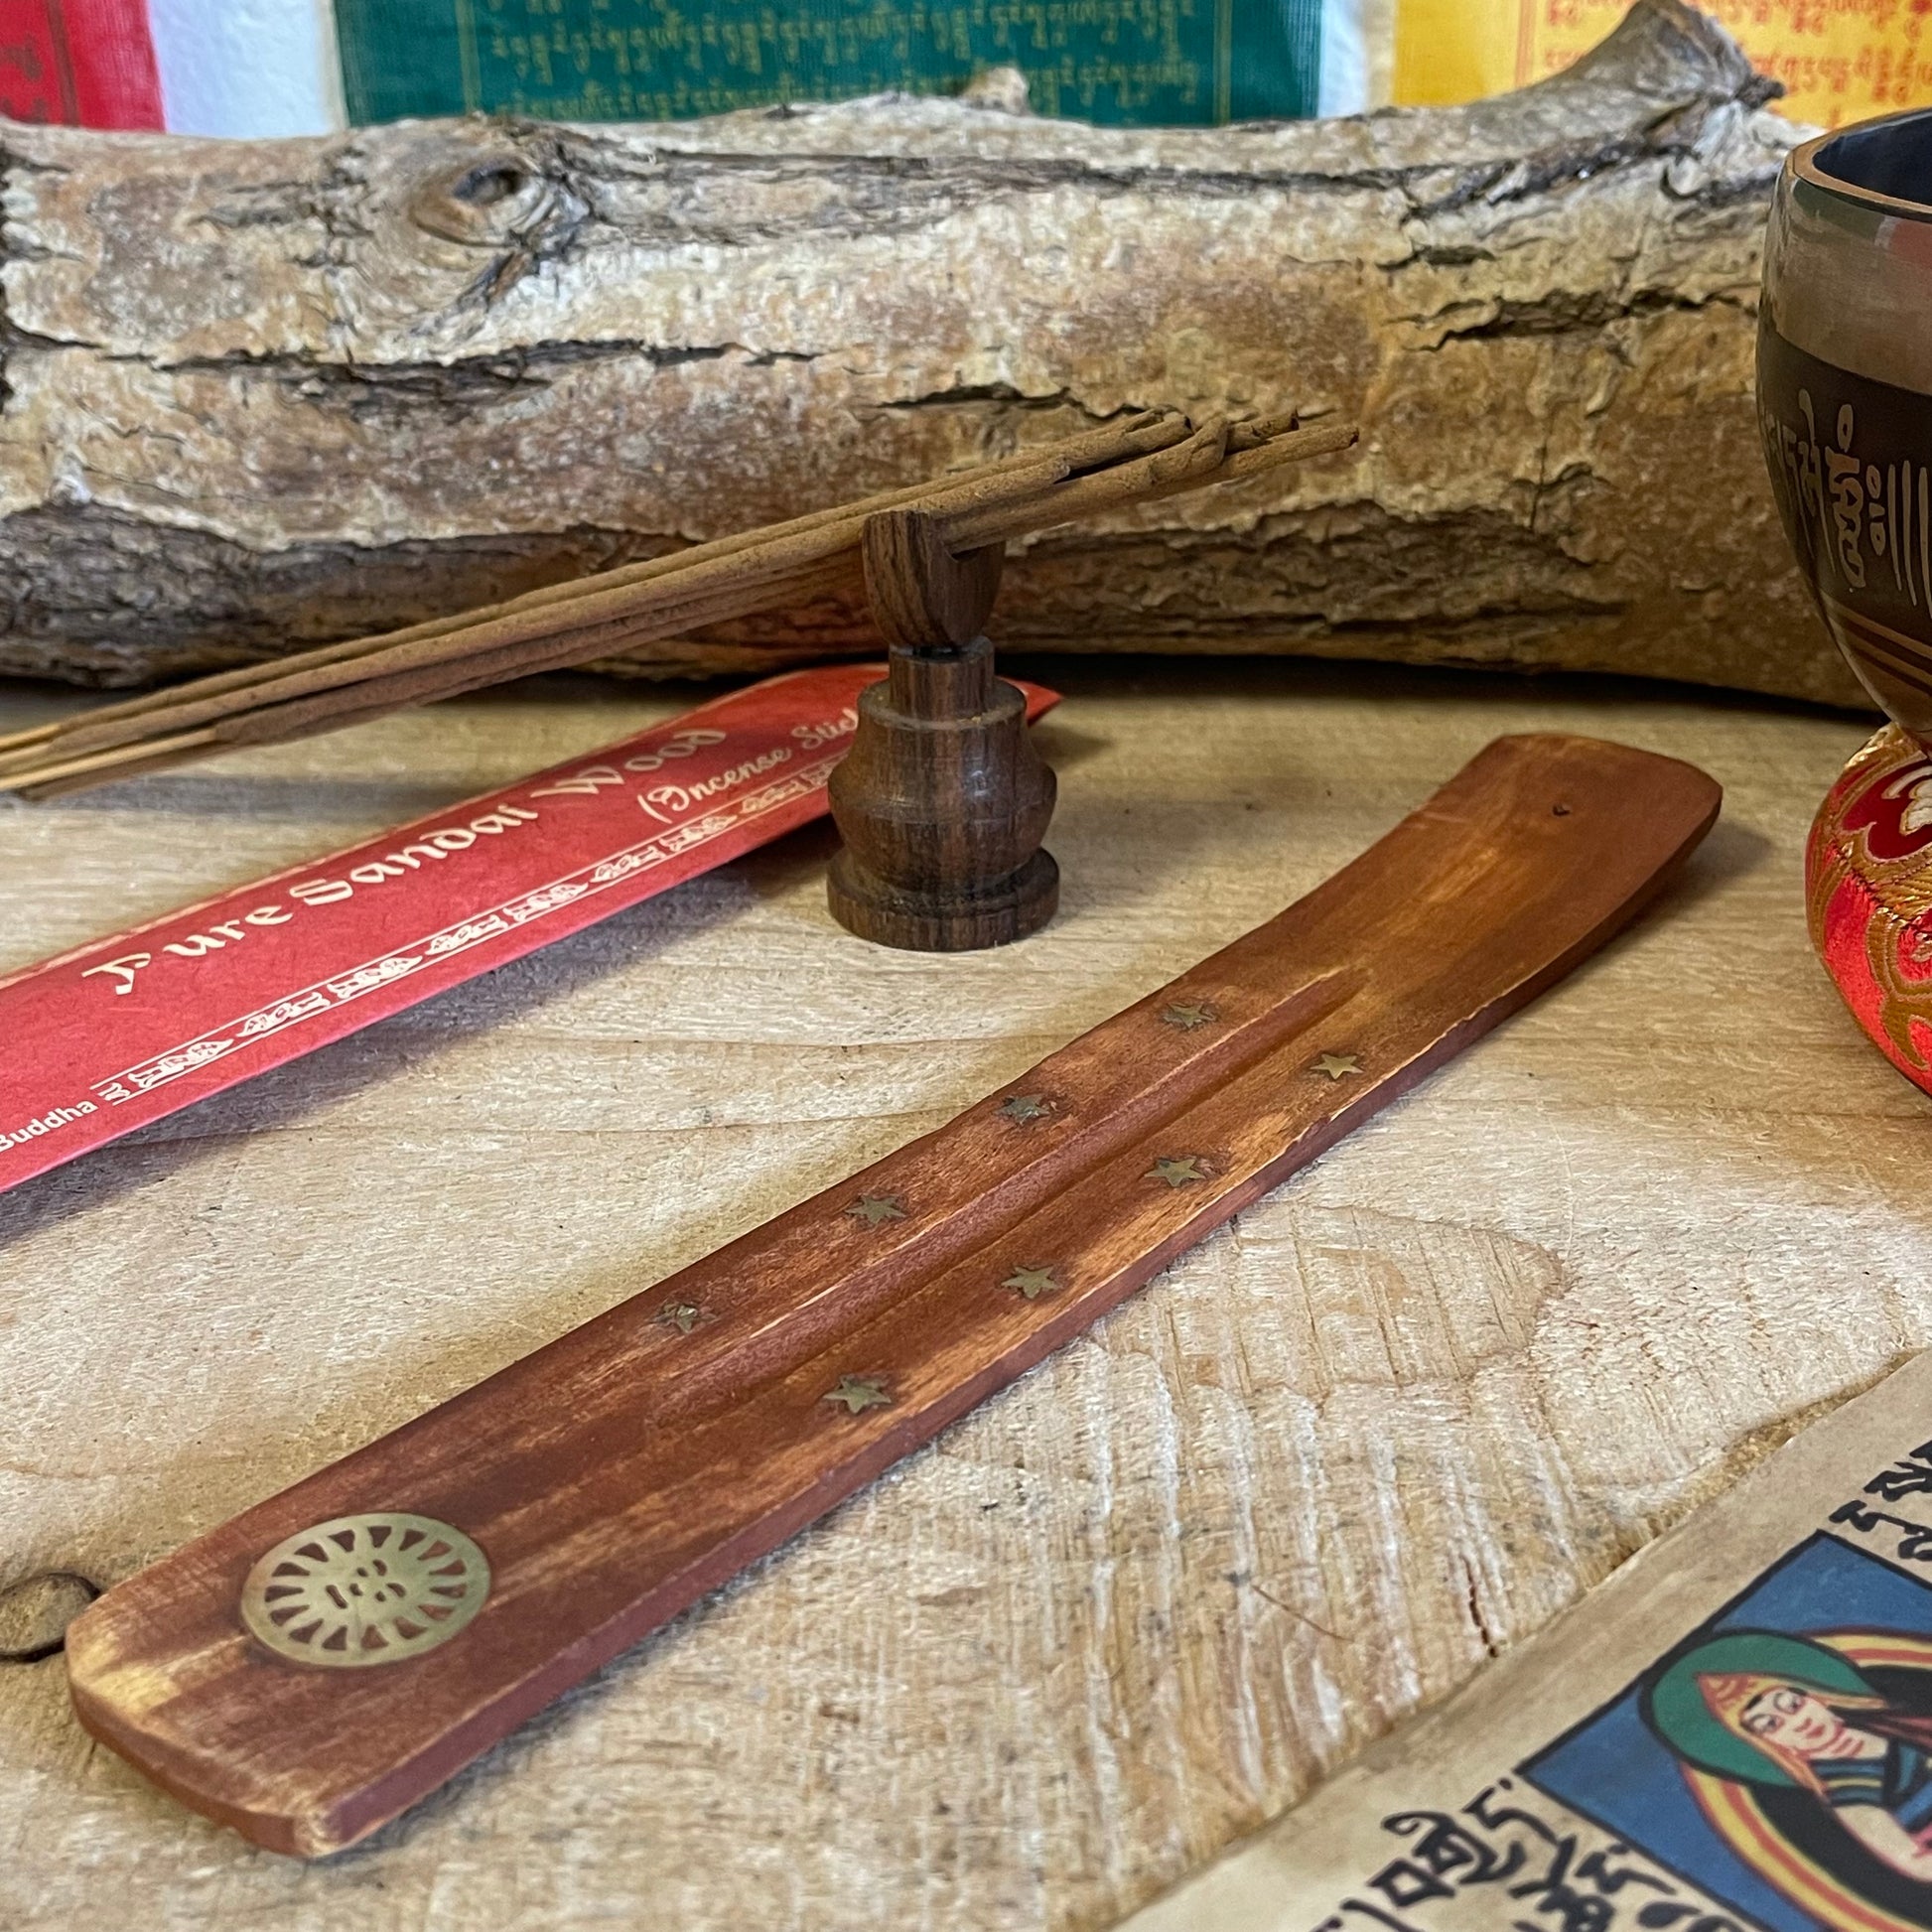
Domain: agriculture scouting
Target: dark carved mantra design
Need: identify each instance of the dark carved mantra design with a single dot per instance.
(612, 1480)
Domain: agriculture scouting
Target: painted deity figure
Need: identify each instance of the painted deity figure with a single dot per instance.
(1790, 1728)
(1847, 1751)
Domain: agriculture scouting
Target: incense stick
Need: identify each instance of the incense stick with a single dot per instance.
(1139, 460)
(1145, 431)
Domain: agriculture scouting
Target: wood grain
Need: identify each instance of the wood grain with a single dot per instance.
(1387, 1421)
(615, 1476)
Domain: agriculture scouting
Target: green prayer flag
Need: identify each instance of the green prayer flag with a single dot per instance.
(1149, 62)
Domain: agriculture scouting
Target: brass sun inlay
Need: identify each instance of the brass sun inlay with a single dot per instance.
(1186, 1015)
(875, 1209)
(358, 1590)
(1178, 1170)
(1026, 1106)
(1338, 1066)
(859, 1393)
(1032, 1282)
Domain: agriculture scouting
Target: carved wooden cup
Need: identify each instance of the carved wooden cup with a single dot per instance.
(942, 800)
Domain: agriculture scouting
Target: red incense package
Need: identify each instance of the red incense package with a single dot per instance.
(136, 1026)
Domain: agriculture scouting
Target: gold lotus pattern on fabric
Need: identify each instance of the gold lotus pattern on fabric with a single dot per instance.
(1874, 835)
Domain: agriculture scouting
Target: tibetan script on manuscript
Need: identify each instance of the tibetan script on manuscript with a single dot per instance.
(1732, 1735)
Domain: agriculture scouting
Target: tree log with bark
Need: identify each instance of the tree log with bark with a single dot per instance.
(261, 395)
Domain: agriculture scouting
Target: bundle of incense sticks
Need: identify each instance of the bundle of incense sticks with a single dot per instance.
(1144, 456)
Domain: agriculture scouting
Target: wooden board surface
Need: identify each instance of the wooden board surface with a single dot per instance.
(1391, 1420)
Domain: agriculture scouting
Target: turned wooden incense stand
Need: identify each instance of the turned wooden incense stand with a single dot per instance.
(942, 800)
(309, 1669)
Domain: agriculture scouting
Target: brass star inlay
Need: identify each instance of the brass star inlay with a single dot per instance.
(1338, 1066)
(681, 1315)
(1026, 1106)
(1186, 1015)
(1032, 1282)
(874, 1208)
(860, 1393)
(1178, 1172)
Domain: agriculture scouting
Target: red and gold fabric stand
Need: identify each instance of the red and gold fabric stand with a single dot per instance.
(1868, 893)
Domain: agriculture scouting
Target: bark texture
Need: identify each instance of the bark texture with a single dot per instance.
(260, 395)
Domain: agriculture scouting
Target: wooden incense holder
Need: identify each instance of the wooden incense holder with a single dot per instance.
(311, 1668)
(942, 800)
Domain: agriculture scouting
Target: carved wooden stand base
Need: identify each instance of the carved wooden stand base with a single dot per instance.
(890, 918)
(942, 800)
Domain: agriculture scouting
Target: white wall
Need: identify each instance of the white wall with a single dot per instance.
(247, 67)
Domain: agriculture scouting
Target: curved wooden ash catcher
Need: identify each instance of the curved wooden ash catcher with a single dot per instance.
(311, 1668)
(314, 1666)
(942, 800)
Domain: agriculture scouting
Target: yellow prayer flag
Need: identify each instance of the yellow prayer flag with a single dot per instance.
(1839, 59)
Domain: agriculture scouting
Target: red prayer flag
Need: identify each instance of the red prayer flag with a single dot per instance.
(78, 64)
